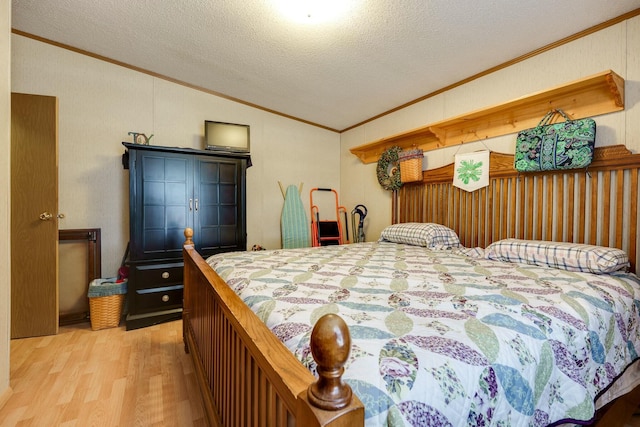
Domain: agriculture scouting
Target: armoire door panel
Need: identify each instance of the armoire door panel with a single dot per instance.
(154, 241)
(153, 193)
(174, 242)
(210, 235)
(208, 194)
(153, 217)
(177, 216)
(209, 172)
(228, 216)
(177, 169)
(228, 237)
(152, 169)
(176, 193)
(209, 216)
(228, 194)
(228, 173)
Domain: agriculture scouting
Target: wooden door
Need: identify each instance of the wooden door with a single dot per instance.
(34, 221)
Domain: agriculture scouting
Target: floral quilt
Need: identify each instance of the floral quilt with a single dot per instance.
(444, 339)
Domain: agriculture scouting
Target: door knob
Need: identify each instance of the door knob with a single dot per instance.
(46, 216)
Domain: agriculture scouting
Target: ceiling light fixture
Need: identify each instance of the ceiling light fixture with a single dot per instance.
(313, 11)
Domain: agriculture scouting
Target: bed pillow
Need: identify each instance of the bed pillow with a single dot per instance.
(566, 256)
(425, 234)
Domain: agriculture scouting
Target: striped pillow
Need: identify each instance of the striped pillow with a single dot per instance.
(566, 256)
(425, 234)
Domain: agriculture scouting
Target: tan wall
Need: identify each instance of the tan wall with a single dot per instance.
(5, 186)
(99, 103)
(613, 48)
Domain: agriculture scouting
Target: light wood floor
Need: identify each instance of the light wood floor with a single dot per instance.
(110, 377)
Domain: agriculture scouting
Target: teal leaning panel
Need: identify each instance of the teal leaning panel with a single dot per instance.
(293, 222)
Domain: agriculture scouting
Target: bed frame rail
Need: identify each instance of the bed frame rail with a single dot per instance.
(598, 206)
(247, 377)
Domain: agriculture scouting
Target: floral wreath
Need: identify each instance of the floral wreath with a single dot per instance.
(387, 171)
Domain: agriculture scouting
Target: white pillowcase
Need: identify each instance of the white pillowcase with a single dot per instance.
(563, 255)
(425, 234)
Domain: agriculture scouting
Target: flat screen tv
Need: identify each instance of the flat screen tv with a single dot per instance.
(226, 136)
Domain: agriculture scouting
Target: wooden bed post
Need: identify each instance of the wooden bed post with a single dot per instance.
(188, 235)
(330, 347)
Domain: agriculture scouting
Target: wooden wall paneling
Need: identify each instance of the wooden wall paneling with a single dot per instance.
(593, 209)
(561, 202)
(468, 215)
(437, 209)
(620, 205)
(582, 206)
(571, 186)
(521, 208)
(487, 219)
(538, 205)
(633, 217)
(435, 198)
(529, 207)
(482, 201)
(547, 210)
(606, 208)
(449, 206)
(504, 203)
(498, 206)
(464, 218)
(511, 231)
(473, 220)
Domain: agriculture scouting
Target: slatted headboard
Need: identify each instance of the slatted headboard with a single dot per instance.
(598, 206)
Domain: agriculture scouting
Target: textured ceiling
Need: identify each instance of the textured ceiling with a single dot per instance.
(379, 55)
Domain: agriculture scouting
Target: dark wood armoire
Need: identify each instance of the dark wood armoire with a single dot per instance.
(171, 189)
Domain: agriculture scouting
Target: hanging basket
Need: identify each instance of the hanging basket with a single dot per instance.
(411, 165)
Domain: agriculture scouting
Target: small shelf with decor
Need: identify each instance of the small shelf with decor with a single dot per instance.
(591, 96)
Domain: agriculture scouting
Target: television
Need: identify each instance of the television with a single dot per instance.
(229, 137)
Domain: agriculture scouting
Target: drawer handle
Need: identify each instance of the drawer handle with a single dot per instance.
(165, 298)
(165, 275)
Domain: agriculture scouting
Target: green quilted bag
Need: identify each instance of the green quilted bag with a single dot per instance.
(564, 145)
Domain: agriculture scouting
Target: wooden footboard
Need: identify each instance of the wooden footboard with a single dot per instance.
(246, 375)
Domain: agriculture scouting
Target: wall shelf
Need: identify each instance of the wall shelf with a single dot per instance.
(591, 96)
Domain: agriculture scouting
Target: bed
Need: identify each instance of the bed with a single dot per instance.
(583, 326)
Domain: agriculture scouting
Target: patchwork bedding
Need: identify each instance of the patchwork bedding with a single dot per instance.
(440, 338)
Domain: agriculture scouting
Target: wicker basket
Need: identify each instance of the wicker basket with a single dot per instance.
(106, 299)
(106, 311)
(411, 165)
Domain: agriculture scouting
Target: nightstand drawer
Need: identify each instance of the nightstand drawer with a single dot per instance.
(161, 298)
(158, 275)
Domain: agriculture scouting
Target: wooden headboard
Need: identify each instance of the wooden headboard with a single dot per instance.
(598, 206)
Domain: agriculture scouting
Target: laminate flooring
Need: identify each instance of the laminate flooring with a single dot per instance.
(109, 377)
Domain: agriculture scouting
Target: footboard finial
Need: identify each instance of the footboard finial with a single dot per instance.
(188, 235)
(330, 346)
